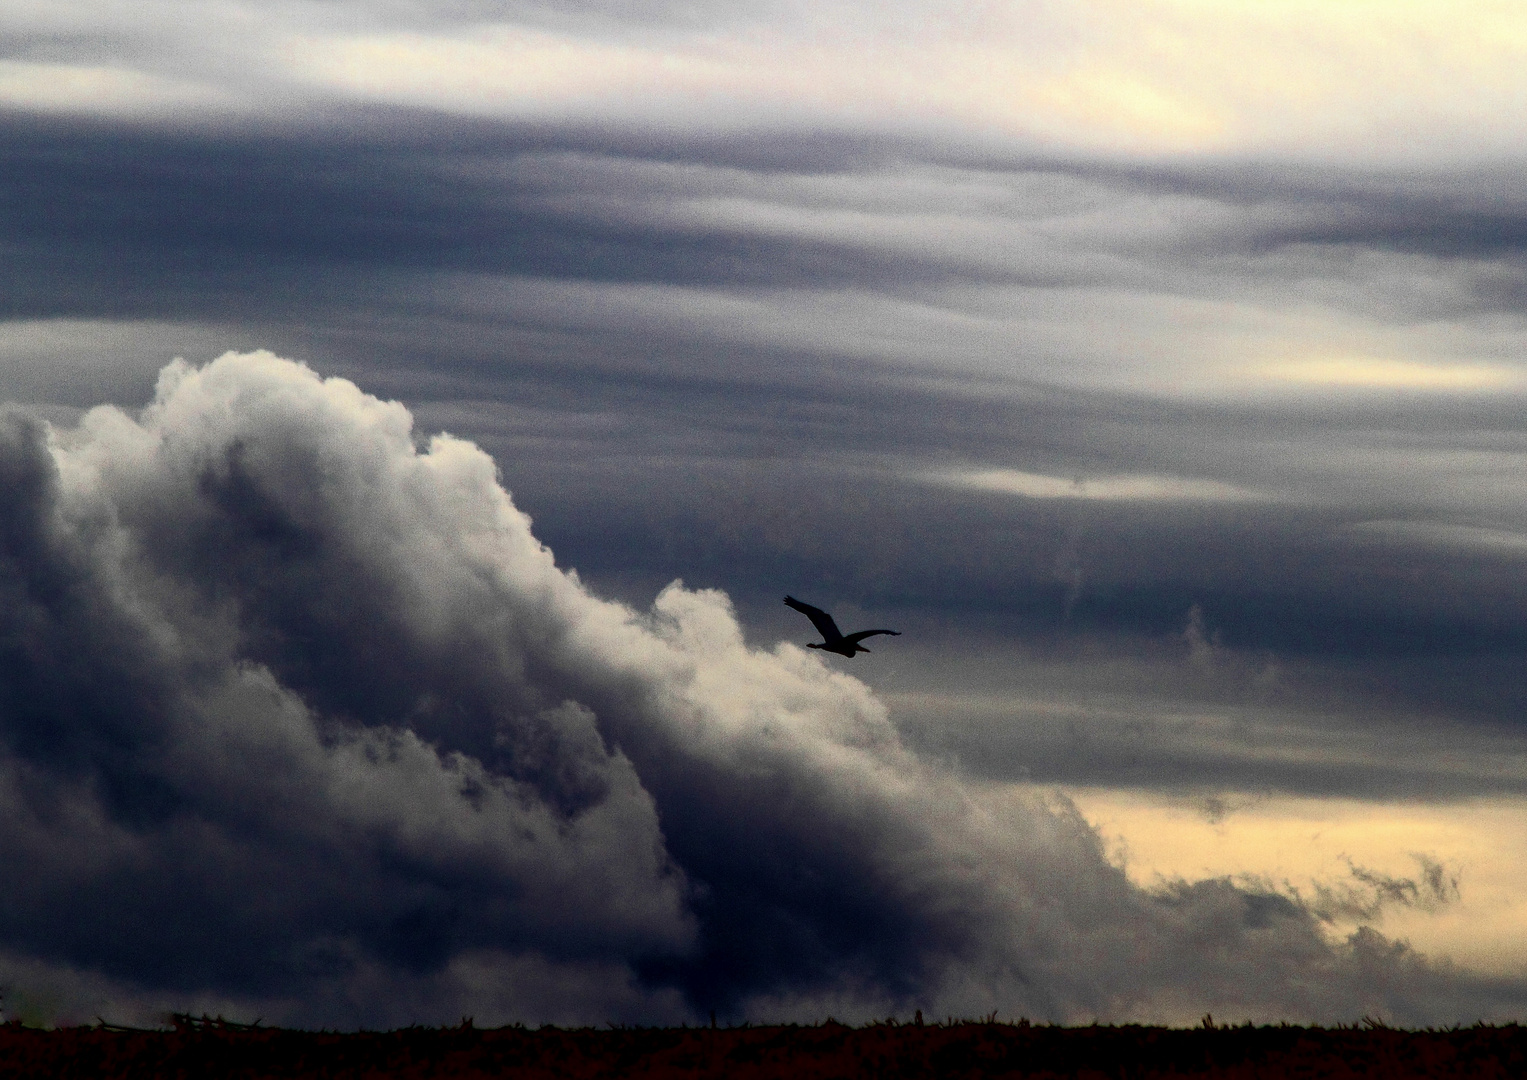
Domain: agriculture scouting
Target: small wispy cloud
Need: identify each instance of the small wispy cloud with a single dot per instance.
(1369, 892)
(1118, 487)
(107, 91)
(1436, 534)
(1380, 373)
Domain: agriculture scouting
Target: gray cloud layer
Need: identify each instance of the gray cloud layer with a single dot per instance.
(299, 717)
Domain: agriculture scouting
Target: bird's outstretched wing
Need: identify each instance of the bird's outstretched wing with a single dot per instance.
(853, 639)
(819, 618)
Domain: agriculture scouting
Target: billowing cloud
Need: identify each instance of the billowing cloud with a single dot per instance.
(299, 718)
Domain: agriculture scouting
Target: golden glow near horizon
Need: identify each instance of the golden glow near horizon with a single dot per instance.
(1293, 843)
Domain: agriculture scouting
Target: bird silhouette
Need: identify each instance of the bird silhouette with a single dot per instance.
(833, 639)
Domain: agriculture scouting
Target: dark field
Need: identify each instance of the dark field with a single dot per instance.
(211, 1049)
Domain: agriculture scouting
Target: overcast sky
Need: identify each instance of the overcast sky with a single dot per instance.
(1156, 368)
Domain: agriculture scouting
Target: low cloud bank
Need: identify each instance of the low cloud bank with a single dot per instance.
(299, 719)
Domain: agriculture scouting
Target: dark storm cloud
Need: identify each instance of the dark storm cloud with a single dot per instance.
(300, 716)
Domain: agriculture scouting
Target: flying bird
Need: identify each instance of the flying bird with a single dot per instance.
(834, 639)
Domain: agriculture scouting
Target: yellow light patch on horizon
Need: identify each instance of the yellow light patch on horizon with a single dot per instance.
(1388, 374)
(1299, 842)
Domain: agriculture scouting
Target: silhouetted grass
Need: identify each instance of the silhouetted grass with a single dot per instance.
(214, 1048)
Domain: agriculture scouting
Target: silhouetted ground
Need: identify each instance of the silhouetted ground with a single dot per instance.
(209, 1049)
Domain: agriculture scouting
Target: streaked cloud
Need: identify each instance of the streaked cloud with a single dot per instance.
(1368, 80)
(1440, 534)
(1124, 487)
(1169, 76)
(109, 91)
(1391, 374)
(507, 71)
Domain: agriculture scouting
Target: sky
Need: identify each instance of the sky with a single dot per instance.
(418, 411)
